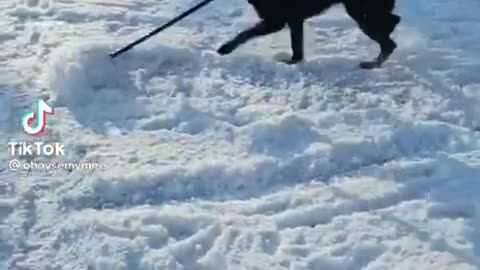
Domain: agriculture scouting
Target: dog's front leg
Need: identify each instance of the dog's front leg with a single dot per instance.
(260, 29)
(296, 37)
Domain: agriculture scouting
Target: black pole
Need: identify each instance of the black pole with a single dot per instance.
(161, 28)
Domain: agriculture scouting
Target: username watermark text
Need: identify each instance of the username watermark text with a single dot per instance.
(18, 165)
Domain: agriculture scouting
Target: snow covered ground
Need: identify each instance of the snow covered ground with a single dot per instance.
(241, 162)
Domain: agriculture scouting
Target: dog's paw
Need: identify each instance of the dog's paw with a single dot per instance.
(226, 48)
(370, 65)
(292, 61)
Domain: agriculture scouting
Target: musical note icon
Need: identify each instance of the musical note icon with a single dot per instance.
(40, 116)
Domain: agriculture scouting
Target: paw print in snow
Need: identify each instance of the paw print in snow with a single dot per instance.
(35, 4)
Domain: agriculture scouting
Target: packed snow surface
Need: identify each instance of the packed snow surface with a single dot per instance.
(240, 162)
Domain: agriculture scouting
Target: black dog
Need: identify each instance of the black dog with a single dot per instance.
(374, 17)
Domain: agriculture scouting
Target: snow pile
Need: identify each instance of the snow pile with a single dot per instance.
(85, 79)
(83, 71)
(32, 8)
(80, 75)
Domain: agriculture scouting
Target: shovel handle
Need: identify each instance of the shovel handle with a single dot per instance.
(161, 28)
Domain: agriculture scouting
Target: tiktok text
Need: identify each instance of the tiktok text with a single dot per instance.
(36, 148)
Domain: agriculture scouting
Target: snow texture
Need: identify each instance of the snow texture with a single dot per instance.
(240, 162)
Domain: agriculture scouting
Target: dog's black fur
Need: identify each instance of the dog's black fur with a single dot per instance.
(374, 17)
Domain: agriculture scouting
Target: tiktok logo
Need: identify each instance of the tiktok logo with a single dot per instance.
(40, 116)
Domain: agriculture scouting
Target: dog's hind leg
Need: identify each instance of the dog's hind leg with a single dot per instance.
(379, 28)
(260, 29)
(296, 37)
(378, 25)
